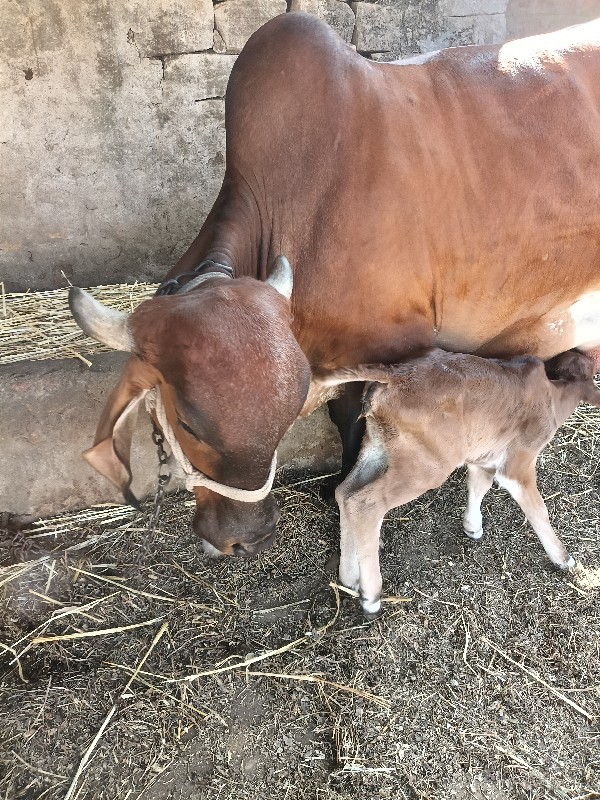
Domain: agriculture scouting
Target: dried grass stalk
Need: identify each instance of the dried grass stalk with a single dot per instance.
(38, 325)
(89, 634)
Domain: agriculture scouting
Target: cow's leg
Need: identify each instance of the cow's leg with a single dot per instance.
(479, 481)
(345, 414)
(523, 488)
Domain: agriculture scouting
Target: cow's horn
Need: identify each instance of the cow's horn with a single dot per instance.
(281, 277)
(103, 324)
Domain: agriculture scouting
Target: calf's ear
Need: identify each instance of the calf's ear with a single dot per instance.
(111, 452)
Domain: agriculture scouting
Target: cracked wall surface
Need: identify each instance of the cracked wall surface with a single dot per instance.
(112, 133)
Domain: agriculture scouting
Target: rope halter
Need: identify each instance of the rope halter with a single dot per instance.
(193, 476)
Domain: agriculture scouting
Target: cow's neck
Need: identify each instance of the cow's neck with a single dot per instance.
(232, 234)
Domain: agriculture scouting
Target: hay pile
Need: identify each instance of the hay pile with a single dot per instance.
(39, 325)
(217, 680)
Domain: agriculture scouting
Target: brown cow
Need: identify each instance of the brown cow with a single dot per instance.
(428, 416)
(453, 202)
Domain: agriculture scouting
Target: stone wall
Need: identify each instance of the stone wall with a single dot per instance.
(112, 115)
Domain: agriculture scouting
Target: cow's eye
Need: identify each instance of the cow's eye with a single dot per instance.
(186, 427)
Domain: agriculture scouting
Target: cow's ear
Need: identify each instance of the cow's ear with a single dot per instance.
(111, 452)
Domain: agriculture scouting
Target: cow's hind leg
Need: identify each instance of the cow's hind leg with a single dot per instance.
(345, 413)
(522, 485)
(479, 482)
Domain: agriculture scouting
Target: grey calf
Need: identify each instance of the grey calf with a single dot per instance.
(431, 414)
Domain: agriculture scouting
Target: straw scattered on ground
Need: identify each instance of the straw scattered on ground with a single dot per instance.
(223, 679)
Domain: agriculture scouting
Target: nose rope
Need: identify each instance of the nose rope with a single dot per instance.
(194, 477)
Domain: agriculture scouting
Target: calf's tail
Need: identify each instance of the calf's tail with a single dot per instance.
(379, 373)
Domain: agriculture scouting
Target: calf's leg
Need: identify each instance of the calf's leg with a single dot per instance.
(361, 516)
(523, 487)
(364, 498)
(360, 521)
(479, 482)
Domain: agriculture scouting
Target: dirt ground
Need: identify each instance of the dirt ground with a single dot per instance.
(259, 679)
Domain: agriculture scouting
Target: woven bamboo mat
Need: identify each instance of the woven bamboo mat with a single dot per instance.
(38, 325)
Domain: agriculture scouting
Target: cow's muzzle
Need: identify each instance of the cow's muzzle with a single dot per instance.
(239, 549)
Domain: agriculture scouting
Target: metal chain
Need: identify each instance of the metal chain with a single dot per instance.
(163, 479)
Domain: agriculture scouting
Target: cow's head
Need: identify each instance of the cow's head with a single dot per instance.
(232, 379)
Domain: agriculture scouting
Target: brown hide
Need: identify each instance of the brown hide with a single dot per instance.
(460, 195)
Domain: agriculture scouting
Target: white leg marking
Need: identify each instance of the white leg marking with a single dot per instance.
(371, 608)
(211, 550)
(479, 481)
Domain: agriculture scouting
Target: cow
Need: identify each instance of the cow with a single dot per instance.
(429, 415)
(367, 211)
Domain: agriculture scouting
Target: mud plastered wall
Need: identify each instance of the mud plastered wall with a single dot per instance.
(112, 115)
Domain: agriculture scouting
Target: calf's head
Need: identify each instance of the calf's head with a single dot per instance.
(232, 380)
(572, 376)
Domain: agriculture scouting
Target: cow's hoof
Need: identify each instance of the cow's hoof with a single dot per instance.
(571, 563)
(475, 535)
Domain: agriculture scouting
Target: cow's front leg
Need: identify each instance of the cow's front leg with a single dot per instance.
(349, 571)
(522, 485)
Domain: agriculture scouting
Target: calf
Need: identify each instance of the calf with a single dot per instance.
(429, 415)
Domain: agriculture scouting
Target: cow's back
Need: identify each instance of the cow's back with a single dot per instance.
(453, 201)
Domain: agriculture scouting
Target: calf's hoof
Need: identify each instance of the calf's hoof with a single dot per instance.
(475, 535)
(371, 608)
(571, 563)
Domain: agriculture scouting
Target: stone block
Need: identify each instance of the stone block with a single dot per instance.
(336, 13)
(114, 196)
(164, 27)
(480, 29)
(471, 8)
(236, 21)
(378, 29)
(200, 76)
(530, 17)
(48, 415)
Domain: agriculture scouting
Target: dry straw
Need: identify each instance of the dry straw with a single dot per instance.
(38, 325)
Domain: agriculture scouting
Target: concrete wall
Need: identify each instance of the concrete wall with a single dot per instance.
(111, 115)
